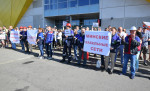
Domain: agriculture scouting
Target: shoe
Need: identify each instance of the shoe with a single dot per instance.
(145, 63)
(49, 58)
(62, 61)
(132, 76)
(110, 72)
(41, 57)
(68, 62)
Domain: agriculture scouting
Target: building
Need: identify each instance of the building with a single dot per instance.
(125, 13)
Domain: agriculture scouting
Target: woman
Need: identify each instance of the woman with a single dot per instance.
(40, 38)
(115, 42)
(75, 46)
(59, 39)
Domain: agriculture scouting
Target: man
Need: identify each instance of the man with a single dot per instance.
(145, 39)
(81, 44)
(2, 40)
(48, 42)
(68, 42)
(131, 43)
(115, 42)
(24, 39)
(21, 41)
(121, 47)
(13, 45)
(6, 31)
(77, 28)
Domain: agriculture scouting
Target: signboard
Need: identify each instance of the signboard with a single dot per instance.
(97, 42)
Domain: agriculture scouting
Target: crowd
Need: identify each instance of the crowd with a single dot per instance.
(130, 46)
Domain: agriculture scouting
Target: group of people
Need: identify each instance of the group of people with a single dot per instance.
(129, 46)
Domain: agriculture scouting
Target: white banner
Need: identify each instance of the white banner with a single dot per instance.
(14, 36)
(147, 23)
(31, 36)
(64, 23)
(97, 42)
(95, 24)
(68, 32)
(2, 36)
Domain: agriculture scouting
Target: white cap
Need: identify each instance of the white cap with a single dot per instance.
(133, 28)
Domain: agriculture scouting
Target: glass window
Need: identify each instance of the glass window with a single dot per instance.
(53, 1)
(62, 5)
(72, 3)
(46, 1)
(75, 22)
(53, 6)
(46, 7)
(83, 2)
(62, 0)
(94, 1)
(89, 21)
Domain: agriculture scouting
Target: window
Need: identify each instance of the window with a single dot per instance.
(62, 5)
(46, 2)
(75, 22)
(89, 21)
(94, 1)
(83, 2)
(72, 3)
(46, 7)
(53, 6)
(53, 1)
(62, 0)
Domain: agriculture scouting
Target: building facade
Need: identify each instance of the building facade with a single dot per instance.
(125, 13)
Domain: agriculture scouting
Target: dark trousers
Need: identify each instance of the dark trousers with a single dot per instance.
(26, 45)
(49, 49)
(65, 51)
(102, 60)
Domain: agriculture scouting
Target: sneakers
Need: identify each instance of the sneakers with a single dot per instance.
(41, 57)
(49, 58)
(145, 63)
(132, 76)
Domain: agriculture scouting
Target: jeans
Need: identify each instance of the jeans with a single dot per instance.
(41, 49)
(65, 52)
(13, 45)
(75, 50)
(22, 45)
(126, 59)
(137, 60)
(49, 49)
(121, 53)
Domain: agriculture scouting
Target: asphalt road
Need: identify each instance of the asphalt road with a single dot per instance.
(23, 72)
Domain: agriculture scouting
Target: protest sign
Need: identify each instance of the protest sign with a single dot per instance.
(14, 37)
(32, 36)
(97, 42)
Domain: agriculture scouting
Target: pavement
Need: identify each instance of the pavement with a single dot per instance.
(25, 72)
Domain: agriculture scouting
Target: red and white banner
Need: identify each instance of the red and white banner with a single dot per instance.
(32, 36)
(14, 37)
(97, 42)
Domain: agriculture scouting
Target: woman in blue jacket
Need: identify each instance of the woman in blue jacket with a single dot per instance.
(40, 38)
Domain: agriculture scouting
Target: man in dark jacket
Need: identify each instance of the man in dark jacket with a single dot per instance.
(131, 43)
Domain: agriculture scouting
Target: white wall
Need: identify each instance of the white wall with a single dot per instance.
(124, 12)
(27, 19)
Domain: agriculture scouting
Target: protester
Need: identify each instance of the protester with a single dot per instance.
(145, 39)
(81, 38)
(40, 38)
(13, 45)
(115, 42)
(68, 42)
(75, 45)
(49, 41)
(2, 40)
(24, 39)
(121, 47)
(6, 31)
(21, 38)
(59, 39)
(54, 37)
(131, 43)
